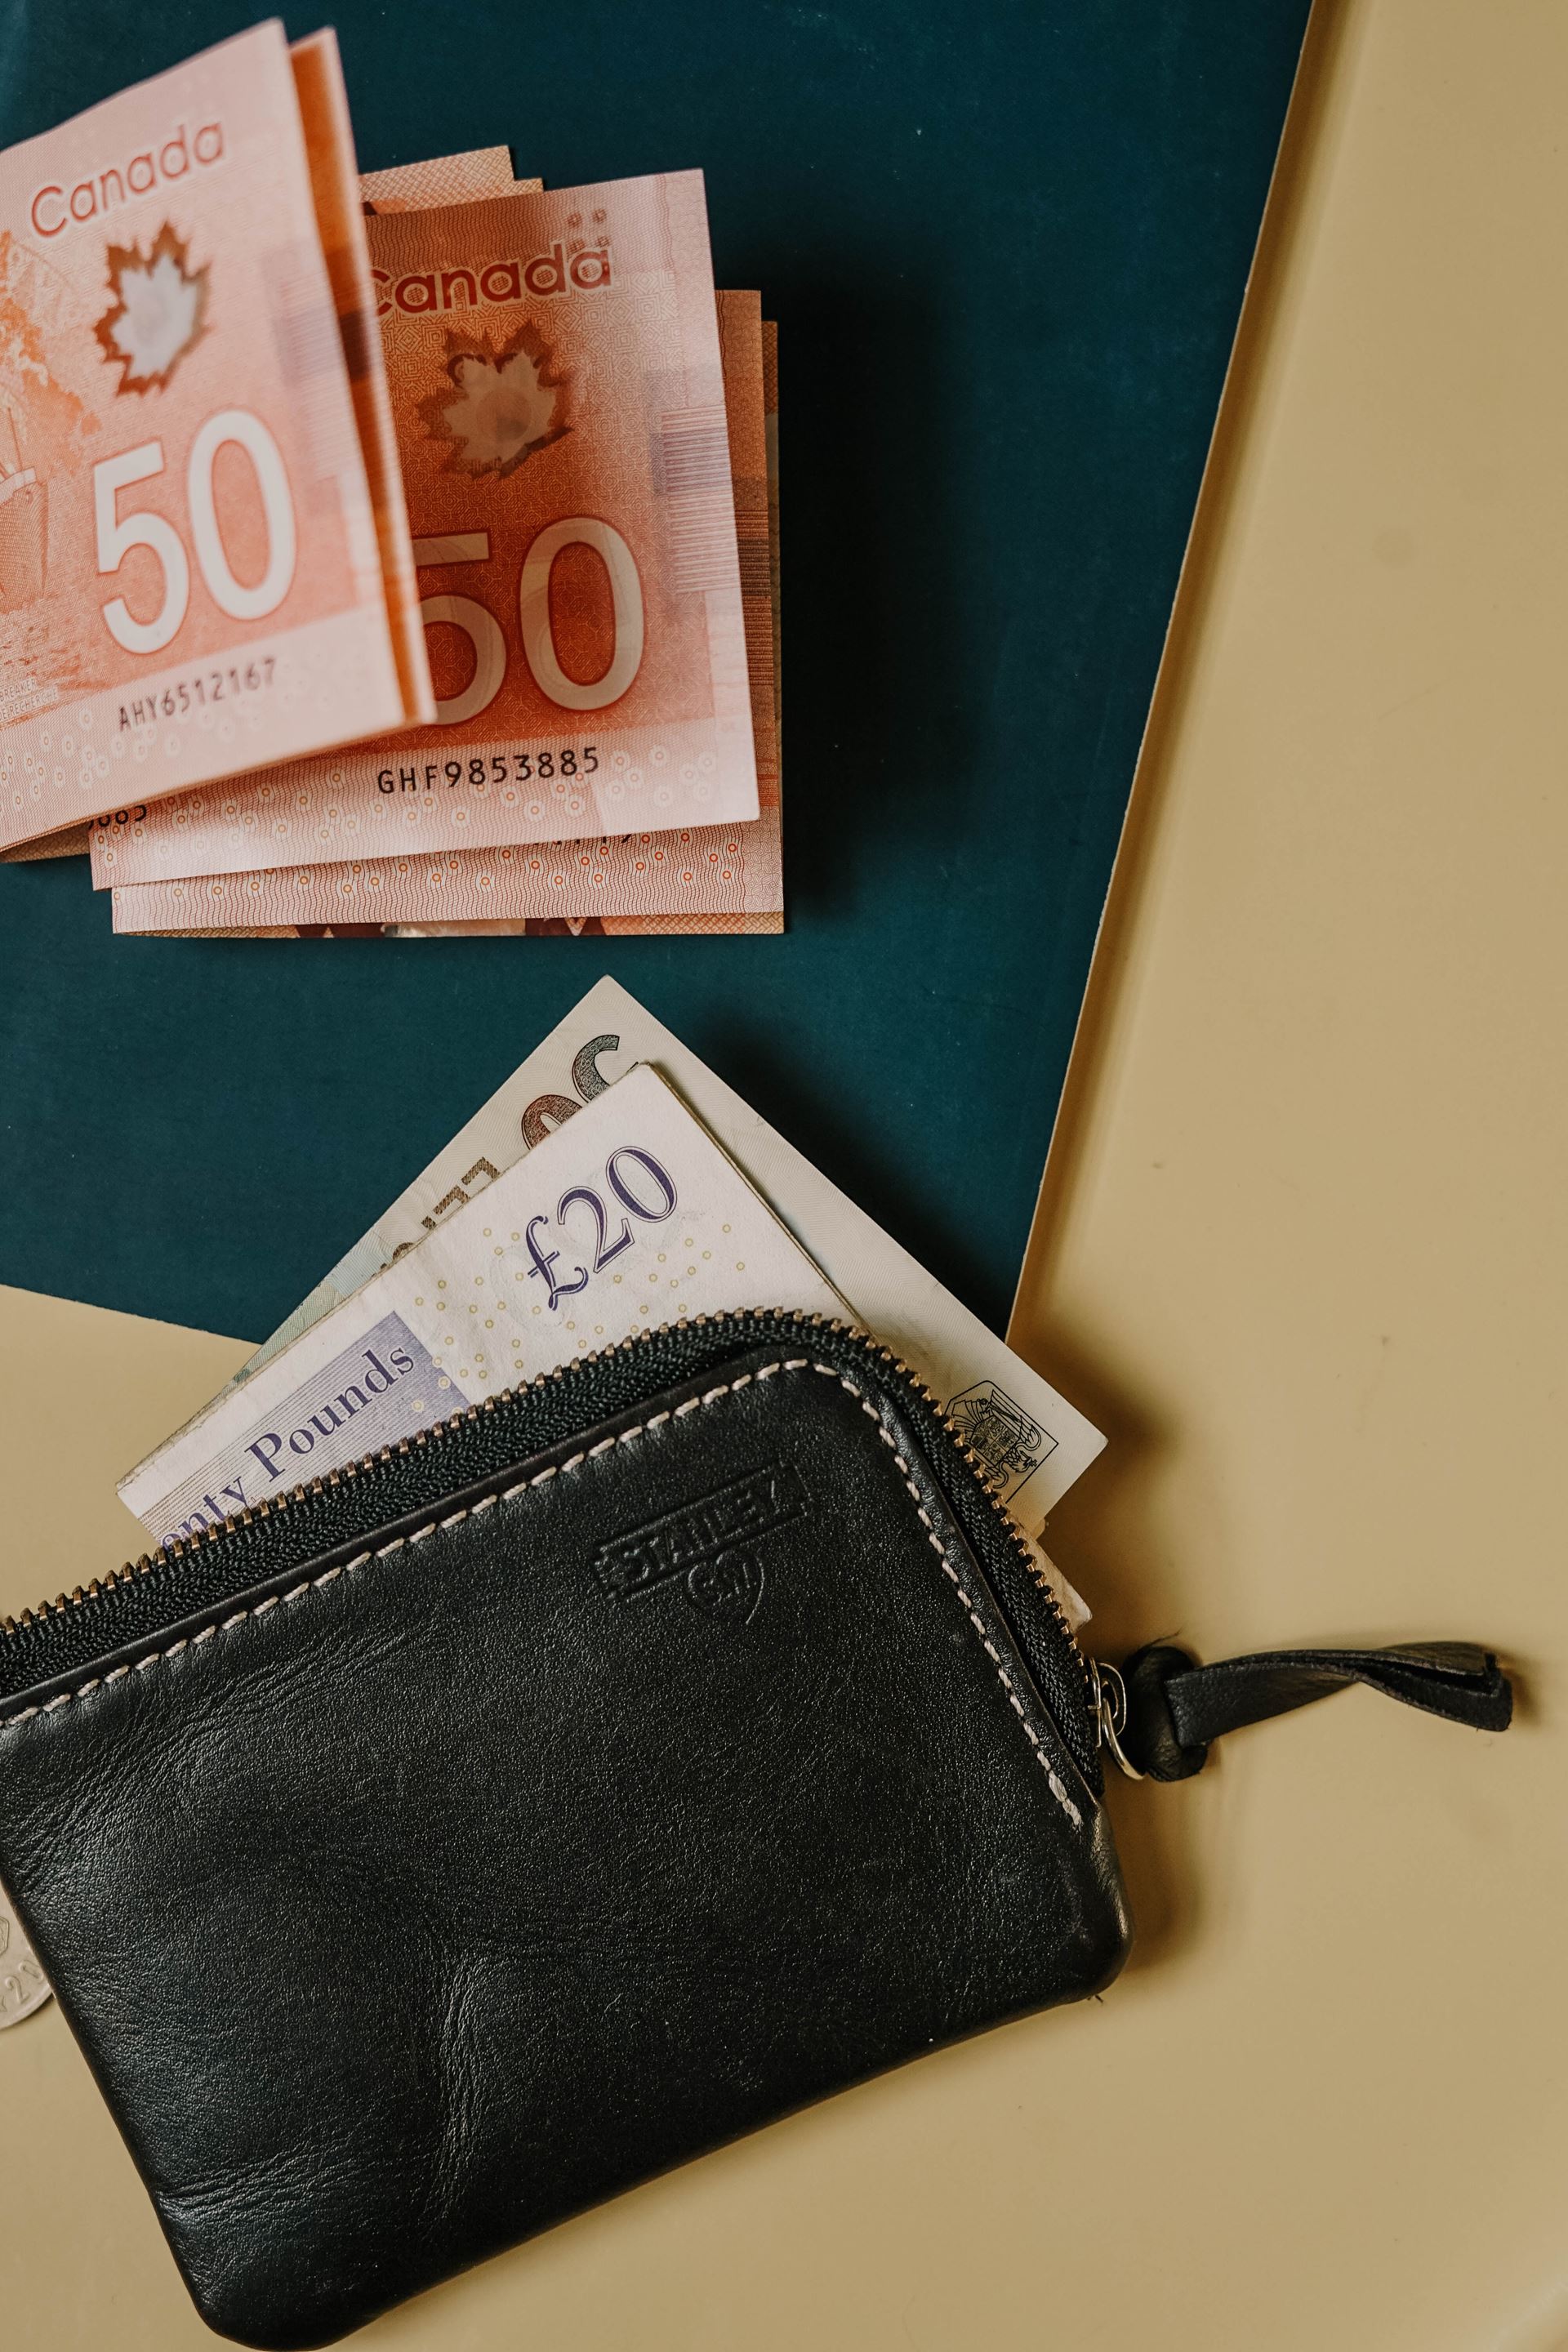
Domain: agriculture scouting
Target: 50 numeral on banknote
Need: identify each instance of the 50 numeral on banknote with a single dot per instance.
(118, 535)
(488, 638)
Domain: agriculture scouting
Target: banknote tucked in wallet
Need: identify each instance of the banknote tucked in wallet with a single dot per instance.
(205, 557)
(1031, 1442)
(629, 1218)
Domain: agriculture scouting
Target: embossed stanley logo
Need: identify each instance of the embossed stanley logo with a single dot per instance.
(712, 1543)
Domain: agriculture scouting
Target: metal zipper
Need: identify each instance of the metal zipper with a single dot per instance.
(12, 1627)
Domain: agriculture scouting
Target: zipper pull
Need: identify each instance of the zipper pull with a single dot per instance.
(1159, 1713)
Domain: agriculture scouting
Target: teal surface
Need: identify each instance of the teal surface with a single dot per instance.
(1006, 246)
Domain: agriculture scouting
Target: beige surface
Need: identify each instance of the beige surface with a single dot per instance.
(1306, 1265)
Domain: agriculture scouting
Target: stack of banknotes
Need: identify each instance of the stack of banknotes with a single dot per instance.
(614, 1183)
(393, 553)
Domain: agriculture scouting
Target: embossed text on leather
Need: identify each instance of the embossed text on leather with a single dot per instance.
(712, 1542)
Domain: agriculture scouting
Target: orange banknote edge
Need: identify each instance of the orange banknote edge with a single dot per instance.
(598, 926)
(555, 365)
(204, 565)
(687, 878)
(438, 180)
(770, 429)
(341, 219)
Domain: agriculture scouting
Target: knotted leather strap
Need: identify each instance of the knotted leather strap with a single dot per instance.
(1175, 1708)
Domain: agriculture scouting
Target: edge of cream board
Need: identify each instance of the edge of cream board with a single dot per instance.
(631, 1217)
(1034, 1443)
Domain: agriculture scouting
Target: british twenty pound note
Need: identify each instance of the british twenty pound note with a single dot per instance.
(628, 1218)
(555, 369)
(1034, 1444)
(205, 559)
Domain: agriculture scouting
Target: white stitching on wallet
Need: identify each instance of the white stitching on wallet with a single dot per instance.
(608, 1445)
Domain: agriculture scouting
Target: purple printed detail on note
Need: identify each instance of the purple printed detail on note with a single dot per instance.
(382, 1389)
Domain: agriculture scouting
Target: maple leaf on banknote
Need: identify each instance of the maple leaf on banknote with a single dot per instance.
(509, 403)
(158, 313)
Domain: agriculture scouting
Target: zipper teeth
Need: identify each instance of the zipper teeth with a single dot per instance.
(11, 1627)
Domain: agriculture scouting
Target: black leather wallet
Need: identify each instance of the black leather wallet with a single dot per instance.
(613, 1770)
(627, 1762)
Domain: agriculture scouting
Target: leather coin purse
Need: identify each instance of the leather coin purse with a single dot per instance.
(627, 1762)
